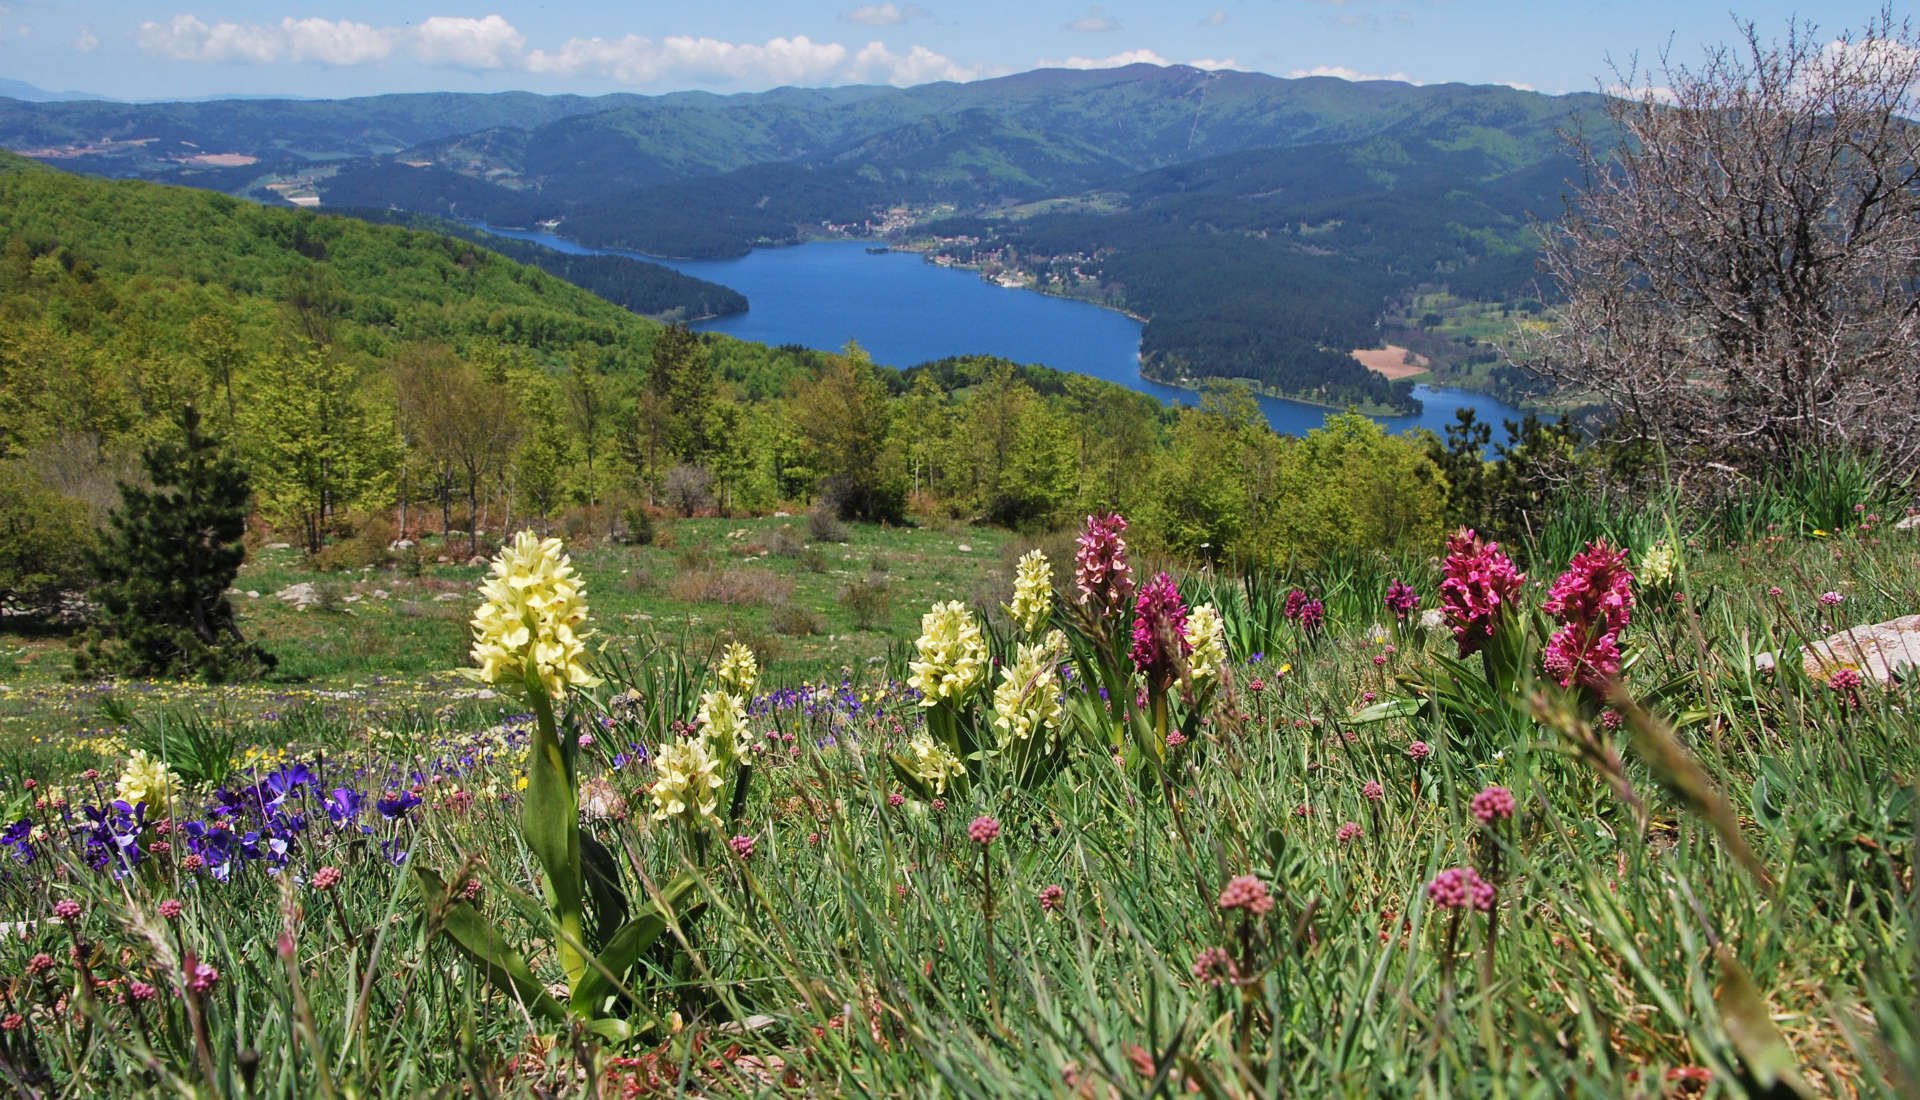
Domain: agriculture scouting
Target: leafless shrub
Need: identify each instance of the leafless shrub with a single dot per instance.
(1742, 267)
(732, 587)
(688, 489)
(793, 620)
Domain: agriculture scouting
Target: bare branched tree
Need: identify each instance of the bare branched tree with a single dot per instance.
(1742, 265)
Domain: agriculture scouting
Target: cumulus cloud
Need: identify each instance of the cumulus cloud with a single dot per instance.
(186, 38)
(1214, 63)
(1342, 72)
(489, 43)
(1095, 21)
(918, 65)
(1113, 61)
(886, 15)
(636, 59)
(454, 41)
(85, 41)
(334, 43)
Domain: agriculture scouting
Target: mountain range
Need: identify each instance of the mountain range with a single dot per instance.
(1263, 227)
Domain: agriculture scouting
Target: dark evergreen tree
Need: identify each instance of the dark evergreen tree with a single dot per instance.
(171, 552)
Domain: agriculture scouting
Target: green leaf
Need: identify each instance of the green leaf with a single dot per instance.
(1386, 710)
(1749, 1024)
(606, 901)
(628, 943)
(478, 940)
(550, 821)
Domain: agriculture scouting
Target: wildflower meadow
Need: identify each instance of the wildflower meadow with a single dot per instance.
(1501, 821)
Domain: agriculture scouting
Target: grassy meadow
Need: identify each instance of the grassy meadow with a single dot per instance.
(1284, 875)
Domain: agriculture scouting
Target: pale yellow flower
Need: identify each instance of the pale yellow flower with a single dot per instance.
(1659, 565)
(1027, 701)
(1207, 643)
(686, 782)
(738, 671)
(722, 719)
(950, 657)
(533, 610)
(146, 779)
(932, 763)
(1032, 592)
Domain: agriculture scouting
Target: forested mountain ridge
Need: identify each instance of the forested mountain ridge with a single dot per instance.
(1260, 225)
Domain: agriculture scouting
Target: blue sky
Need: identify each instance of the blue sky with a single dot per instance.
(326, 48)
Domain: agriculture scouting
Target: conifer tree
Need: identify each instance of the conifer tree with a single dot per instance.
(171, 552)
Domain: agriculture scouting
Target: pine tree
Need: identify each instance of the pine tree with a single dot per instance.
(171, 552)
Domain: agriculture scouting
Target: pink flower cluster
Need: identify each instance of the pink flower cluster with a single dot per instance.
(1593, 601)
(1491, 805)
(1301, 608)
(1402, 600)
(1215, 967)
(1159, 628)
(983, 831)
(1348, 831)
(1480, 582)
(1100, 568)
(1052, 897)
(1461, 888)
(1246, 892)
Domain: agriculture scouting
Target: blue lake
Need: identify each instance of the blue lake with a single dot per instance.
(903, 311)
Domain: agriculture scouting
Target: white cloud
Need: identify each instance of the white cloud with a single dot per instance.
(886, 15)
(489, 43)
(331, 43)
(85, 41)
(186, 38)
(458, 42)
(1096, 21)
(1342, 72)
(1214, 63)
(635, 59)
(1659, 92)
(1214, 18)
(1114, 61)
(918, 65)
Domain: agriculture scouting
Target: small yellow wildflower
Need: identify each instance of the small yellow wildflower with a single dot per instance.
(687, 782)
(932, 763)
(531, 610)
(1207, 643)
(738, 671)
(1027, 701)
(950, 657)
(146, 779)
(1032, 592)
(722, 719)
(1659, 564)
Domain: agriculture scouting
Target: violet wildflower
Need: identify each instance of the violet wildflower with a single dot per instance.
(1492, 804)
(1100, 569)
(1480, 585)
(1461, 888)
